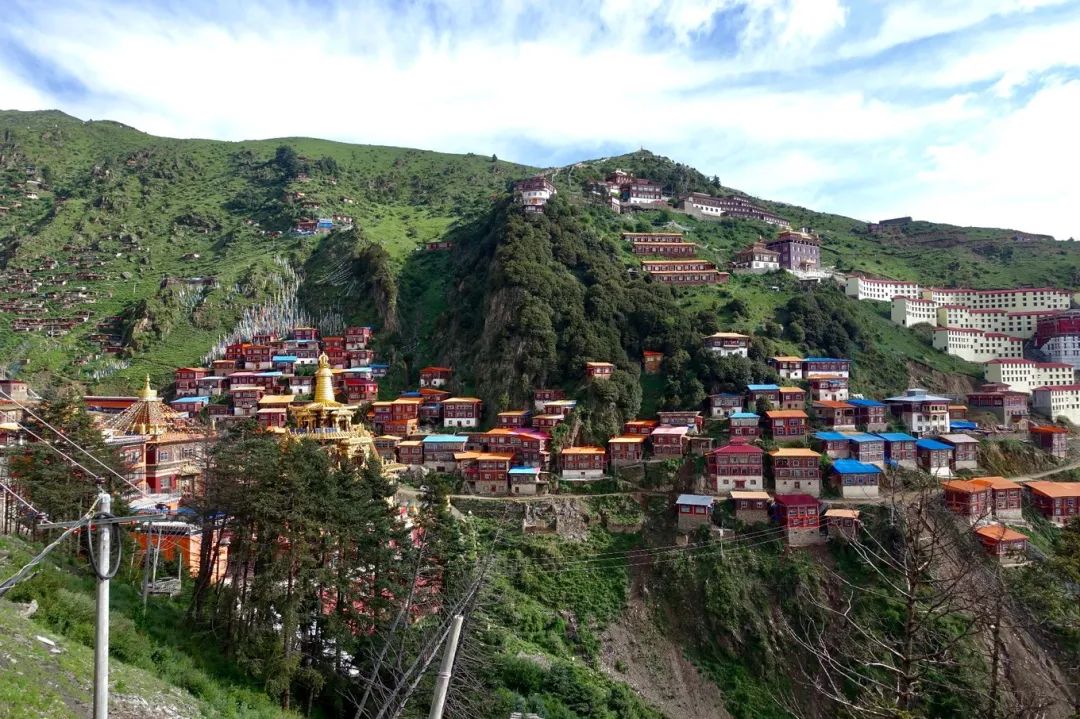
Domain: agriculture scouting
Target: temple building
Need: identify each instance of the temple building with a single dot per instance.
(163, 451)
(329, 422)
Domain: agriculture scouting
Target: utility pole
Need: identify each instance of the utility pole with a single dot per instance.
(103, 525)
(101, 630)
(442, 682)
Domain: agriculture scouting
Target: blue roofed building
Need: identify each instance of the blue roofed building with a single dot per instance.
(525, 480)
(934, 457)
(833, 445)
(867, 448)
(855, 479)
(899, 449)
(693, 511)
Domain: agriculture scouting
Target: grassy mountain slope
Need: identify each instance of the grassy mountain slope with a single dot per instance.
(137, 209)
(145, 207)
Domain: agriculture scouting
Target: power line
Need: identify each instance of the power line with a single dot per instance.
(74, 444)
(23, 573)
(96, 478)
(724, 546)
(654, 551)
(29, 506)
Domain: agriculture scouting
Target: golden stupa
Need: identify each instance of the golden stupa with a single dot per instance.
(327, 421)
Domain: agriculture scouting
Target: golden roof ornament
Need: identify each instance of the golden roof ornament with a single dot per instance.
(147, 393)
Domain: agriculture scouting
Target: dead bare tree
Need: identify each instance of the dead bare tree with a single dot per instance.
(876, 647)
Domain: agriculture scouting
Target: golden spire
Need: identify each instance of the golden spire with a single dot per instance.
(324, 382)
(147, 393)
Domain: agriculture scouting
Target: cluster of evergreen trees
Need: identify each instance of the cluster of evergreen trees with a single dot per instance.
(538, 296)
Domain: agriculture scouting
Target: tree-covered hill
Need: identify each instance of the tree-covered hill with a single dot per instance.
(123, 221)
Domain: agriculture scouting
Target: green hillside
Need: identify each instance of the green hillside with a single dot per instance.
(157, 668)
(135, 210)
(139, 209)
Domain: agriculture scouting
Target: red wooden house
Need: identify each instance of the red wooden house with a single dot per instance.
(305, 333)
(723, 404)
(1006, 497)
(652, 361)
(693, 510)
(543, 395)
(734, 466)
(828, 388)
(1050, 438)
(357, 338)
(411, 452)
(744, 426)
(361, 389)
(626, 449)
(583, 462)
(682, 418)
(787, 424)
(258, 357)
(869, 415)
(800, 516)
(792, 398)
(245, 399)
(969, 500)
(1059, 502)
(1007, 405)
(835, 415)
(462, 412)
(843, 524)
(834, 445)
(485, 473)
(751, 507)
(599, 370)
(187, 380)
(386, 446)
(547, 422)
(272, 417)
(435, 376)
(669, 441)
(796, 470)
(640, 426)
(513, 418)
(1006, 545)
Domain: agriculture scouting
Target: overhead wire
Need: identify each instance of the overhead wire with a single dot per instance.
(24, 573)
(648, 551)
(74, 444)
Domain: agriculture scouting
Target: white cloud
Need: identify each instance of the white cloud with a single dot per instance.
(1018, 171)
(481, 79)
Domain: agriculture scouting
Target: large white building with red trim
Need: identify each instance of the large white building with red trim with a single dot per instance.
(1015, 312)
(1023, 375)
(976, 345)
(879, 289)
(1057, 401)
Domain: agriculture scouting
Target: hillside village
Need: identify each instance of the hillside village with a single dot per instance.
(794, 450)
(802, 453)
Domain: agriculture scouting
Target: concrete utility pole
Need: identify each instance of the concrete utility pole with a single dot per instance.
(442, 682)
(101, 630)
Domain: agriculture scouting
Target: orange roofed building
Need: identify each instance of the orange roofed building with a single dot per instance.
(583, 463)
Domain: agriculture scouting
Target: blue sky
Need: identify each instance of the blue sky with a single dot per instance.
(960, 112)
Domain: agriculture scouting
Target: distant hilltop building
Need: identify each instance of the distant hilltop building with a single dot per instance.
(875, 228)
(534, 193)
(706, 206)
(799, 251)
(621, 191)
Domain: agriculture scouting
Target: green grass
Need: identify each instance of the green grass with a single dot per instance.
(153, 655)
